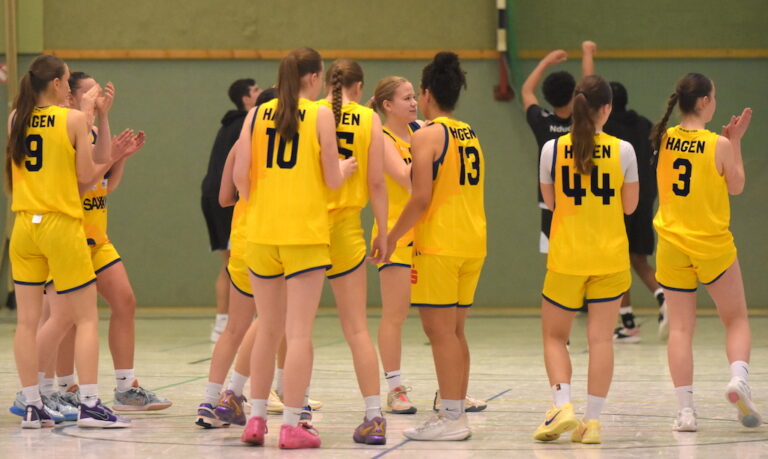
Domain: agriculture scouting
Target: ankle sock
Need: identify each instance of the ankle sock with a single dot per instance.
(740, 369)
(65, 382)
(124, 379)
(237, 382)
(451, 409)
(684, 397)
(372, 407)
(32, 396)
(594, 407)
(393, 379)
(259, 408)
(47, 386)
(212, 393)
(291, 416)
(89, 394)
(561, 394)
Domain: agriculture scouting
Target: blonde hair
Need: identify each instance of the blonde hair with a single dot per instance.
(385, 90)
(342, 73)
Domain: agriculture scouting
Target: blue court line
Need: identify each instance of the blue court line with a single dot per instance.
(382, 454)
(404, 442)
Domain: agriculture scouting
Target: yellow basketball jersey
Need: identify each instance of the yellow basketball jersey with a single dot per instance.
(588, 236)
(95, 209)
(397, 195)
(454, 224)
(288, 204)
(354, 138)
(694, 210)
(237, 234)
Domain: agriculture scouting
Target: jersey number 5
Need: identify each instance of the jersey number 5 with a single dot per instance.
(282, 161)
(34, 151)
(347, 137)
(601, 190)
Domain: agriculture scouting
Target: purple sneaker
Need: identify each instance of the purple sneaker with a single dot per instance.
(35, 418)
(373, 432)
(207, 419)
(230, 408)
(100, 416)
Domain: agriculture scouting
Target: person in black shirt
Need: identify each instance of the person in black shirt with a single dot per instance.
(547, 125)
(636, 129)
(243, 94)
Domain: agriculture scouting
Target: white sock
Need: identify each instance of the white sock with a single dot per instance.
(258, 408)
(625, 309)
(393, 379)
(658, 291)
(594, 407)
(40, 377)
(65, 382)
(237, 382)
(89, 394)
(561, 394)
(124, 379)
(291, 416)
(372, 407)
(279, 381)
(47, 386)
(32, 396)
(221, 322)
(740, 369)
(684, 397)
(212, 393)
(451, 408)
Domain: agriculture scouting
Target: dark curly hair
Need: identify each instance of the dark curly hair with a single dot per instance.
(558, 88)
(444, 78)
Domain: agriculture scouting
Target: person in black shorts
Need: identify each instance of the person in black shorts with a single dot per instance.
(547, 125)
(243, 94)
(636, 129)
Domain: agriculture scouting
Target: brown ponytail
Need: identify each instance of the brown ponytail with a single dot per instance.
(293, 67)
(591, 94)
(385, 90)
(42, 71)
(688, 90)
(342, 73)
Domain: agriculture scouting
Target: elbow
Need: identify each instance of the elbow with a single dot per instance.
(630, 205)
(737, 187)
(225, 201)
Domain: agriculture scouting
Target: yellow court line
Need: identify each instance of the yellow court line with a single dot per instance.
(397, 54)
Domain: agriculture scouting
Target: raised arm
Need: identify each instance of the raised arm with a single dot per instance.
(728, 153)
(377, 189)
(588, 51)
(329, 150)
(79, 134)
(127, 149)
(102, 151)
(533, 80)
(241, 173)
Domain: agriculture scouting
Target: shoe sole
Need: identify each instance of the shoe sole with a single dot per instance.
(747, 414)
(633, 340)
(475, 409)
(454, 436)
(96, 424)
(554, 434)
(208, 423)
(19, 412)
(151, 407)
(685, 429)
(254, 440)
(411, 410)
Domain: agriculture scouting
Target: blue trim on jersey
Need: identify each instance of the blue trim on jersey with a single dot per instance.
(716, 278)
(677, 289)
(235, 285)
(326, 267)
(61, 292)
(394, 264)
(95, 136)
(605, 300)
(48, 284)
(264, 277)
(554, 162)
(253, 120)
(436, 164)
(561, 306)
(28, 283)
(390, 135)
(117, 260)
(464, 306)
(429, 305)
(347, 271)
(414, 126)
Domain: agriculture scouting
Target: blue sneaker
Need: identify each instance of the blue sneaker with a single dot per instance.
(19, 408)
(35, 418)
(101, 417)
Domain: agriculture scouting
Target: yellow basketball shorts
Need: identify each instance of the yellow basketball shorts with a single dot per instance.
(52, 243)
(676, 270)
(440, 281)
(238, 275)
(270, 261)
(402, 256)
(347, 249)
(568, 291)
(104, 256)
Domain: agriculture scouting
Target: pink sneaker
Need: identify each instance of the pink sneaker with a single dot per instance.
(301, 436)
(254, 431)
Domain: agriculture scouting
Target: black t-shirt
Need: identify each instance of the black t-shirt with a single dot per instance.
(636, 129)
(545, 126)
(231, 124)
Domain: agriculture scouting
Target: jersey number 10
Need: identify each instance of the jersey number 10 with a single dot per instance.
(282, 161)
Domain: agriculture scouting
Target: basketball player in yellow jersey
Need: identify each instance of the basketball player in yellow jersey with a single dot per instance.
(395, 99)
(696, 171)
(48, 158)
(359, 134)
(446, 206)
(283, 169)
(589, 179)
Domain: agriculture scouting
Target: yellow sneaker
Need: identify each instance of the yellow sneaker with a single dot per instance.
(557, 421)
(587, 432)
(274, 404)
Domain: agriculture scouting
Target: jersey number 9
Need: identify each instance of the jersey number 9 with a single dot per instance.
(34, 144)
(282, 161)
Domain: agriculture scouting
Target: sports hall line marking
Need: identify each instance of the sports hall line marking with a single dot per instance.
(170, 385)
(498, 395)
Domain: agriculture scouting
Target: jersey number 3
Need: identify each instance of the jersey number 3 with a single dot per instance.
(34, 144)
(684, 177)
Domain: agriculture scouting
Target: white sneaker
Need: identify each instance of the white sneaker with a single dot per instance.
(274, 404)
(739, 393)
(440, 428)
(663, 322)
(686, 421)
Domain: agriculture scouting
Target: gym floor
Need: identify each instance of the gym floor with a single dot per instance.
(173, 354)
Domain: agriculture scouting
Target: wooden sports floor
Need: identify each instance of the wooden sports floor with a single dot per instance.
(507, 370)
